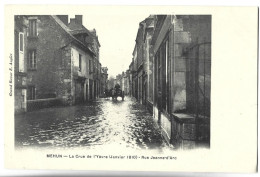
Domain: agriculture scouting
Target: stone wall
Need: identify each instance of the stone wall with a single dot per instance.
(181, 40)
(64, 84)
(50, 66)
(20, 77)
(192, 53)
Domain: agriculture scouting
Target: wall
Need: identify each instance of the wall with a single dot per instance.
(84, 73)
(51, 37)
(64, 85)
(192, 53)
(20, 78)
(181, 40)
(75, 51)
(150, 66)
(190, 63)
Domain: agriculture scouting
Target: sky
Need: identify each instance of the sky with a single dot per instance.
(116, 34)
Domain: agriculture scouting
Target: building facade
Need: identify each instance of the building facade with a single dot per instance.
(148, 63)
(58, 61)
(103, 81)
(171, 74)
(20, 69)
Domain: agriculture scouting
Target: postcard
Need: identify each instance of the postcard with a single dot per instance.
(131, 88)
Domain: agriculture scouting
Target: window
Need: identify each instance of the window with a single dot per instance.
(21, 42)
(31, 93)
(90, 66)
(162, 76)
(21, 52)
(33, 27)
(151, 70)
(80, 65)
(32, 59)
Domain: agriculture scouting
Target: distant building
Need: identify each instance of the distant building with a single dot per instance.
(131, 79)
(148, 63)
(96, 63)
(134, 74)
(111, 83)
(142, 63)
(103, 80)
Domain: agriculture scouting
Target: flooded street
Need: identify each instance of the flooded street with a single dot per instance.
(103, 122)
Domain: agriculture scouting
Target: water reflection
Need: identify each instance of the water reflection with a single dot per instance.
(126, 123)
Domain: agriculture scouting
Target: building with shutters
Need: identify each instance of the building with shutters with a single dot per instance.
(20, 67)
(56, 63)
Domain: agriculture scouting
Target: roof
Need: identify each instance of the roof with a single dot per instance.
(76, 29)
(68, 31)
(93, 32)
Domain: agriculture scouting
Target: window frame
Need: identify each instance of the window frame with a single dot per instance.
(162, 76)
(31, 93)
(89, 66)
(80, 62)
(21, 52)
(32, 59)
(33, 29)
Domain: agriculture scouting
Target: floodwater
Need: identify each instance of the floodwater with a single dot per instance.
(103, 122)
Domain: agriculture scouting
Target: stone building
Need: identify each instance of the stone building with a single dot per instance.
(118, 80)
(58, 59)
(126, 82)
(148, 63)
(134, 74)
(103, 80)
(142, 62)
(182, 62)
(131, 79)
(91, 39)
(111, 82)
(20, 67)
(96, 63)
(171, 74)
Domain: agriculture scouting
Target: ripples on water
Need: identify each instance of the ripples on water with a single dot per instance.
(125, 123)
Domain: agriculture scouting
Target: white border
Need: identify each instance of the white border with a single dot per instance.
(97, 2)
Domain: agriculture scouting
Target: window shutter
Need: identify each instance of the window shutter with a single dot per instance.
(21, 52)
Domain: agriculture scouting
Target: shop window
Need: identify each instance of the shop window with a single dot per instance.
(162, 76)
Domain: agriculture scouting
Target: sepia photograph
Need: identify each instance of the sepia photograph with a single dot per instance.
(69, 92)
(131, 88)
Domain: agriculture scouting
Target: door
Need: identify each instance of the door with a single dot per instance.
(90, 89)
(79, 92)
(87, 97)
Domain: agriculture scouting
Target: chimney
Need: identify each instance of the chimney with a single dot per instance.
(93, 32)
(64, 19)
(78, 19)
(72, 21)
